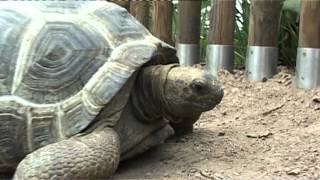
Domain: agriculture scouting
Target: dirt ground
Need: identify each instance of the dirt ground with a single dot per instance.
(261, 130)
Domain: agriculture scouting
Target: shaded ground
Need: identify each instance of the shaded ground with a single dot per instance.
(264, 131)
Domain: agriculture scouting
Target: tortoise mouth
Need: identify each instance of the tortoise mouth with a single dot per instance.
(181, 115)
(208, 101)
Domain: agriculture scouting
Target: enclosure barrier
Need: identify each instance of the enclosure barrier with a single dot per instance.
(188, 32)
(262, 51)
(162, 20)
(308, 55)
(123, 3)
(220, 49)
(140, 10)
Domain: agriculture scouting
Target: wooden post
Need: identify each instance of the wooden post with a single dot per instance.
(188, 31)
(220, 49)
(222, 18)
(140, 10)
(309, 35)
(264, 20)
(262, 52)
(122, 3)
(162, 20)
(308, 56)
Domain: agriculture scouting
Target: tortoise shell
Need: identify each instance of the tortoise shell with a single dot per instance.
(60, 64)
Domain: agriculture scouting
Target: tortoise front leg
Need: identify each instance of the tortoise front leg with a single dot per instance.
(92, 156)
(155, 138)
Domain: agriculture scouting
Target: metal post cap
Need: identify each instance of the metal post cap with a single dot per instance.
(308, 68)
(188, 54)
(261, 62)
(219, 57)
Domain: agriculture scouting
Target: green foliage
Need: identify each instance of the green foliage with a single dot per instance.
(205, 25)
(292, 5)
(289, 33)
(241, 31)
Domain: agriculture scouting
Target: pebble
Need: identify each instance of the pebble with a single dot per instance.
(316, 99)
(221, 133)
(263, 134)
(237, 174)
(293, 172)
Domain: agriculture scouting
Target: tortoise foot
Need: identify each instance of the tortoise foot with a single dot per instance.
(182, 129)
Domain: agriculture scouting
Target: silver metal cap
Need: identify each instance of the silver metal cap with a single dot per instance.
(188, 54)
(308, 68)
(261, 62)
(219, 57)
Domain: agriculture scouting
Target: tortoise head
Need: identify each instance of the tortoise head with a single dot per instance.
(188, 92)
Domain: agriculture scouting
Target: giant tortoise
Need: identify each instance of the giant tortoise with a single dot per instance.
(84, 85)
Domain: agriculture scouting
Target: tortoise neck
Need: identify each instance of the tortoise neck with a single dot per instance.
(148, 94)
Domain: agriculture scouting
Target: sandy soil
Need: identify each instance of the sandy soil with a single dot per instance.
(264, 130)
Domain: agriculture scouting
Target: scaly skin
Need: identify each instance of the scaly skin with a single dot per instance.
(91, 156)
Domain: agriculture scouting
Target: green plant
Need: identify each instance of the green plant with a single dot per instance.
(241, 31)
(288, 37)
(205, 25)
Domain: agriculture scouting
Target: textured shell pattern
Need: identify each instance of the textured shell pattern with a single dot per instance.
(60, 64)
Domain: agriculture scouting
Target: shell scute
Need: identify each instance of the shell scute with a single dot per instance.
(121, 24)
(64, 57)
(13, 132)
(43, 126)
(12, 26)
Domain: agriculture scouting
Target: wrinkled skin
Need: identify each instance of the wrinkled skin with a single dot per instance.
(178, 94)
(189, 92)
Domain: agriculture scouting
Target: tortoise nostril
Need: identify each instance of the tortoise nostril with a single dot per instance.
(199, 86)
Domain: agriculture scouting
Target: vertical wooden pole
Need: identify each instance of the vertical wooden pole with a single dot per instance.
(309, 35)
(222, 18)
(264, 20)
(122, 3)
(140, 10)
(189, 12)
(308, 56)
(162, 12)
(262, 52)
(220, 49)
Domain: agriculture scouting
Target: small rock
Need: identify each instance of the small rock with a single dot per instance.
(207, 173)
(264, 79)
(265, 134)
(316, 99)
(221, 133)
(193, 170)
(276, 171)
(219, 176)
(294, 172)
(237, 174)
(317, 108)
